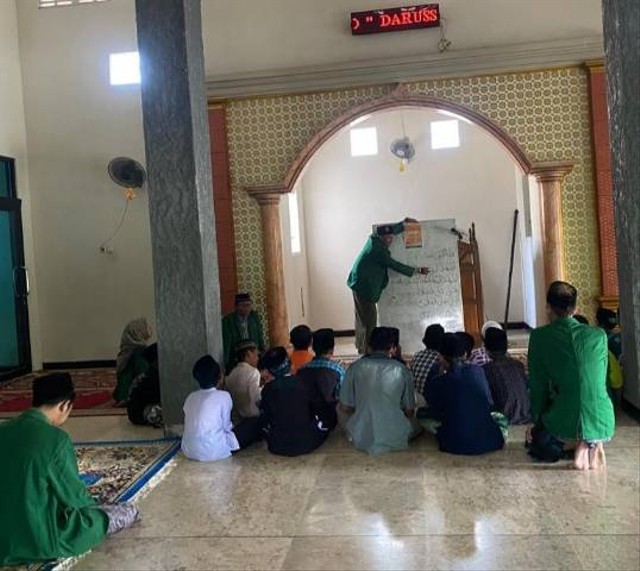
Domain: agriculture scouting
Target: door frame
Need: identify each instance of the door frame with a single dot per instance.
(13, 205)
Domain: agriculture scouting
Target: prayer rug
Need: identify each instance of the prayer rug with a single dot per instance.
(93, 393)
(123, 471)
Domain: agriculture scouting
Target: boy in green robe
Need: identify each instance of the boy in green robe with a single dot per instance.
(45, 509)
(241, 324)
(568, 386)
(370, 275)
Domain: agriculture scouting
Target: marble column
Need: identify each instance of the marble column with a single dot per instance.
(183, 240)
(621, 20)
(268, 197)
(550, 176)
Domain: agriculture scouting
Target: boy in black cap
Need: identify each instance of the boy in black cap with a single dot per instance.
(46, 511)
(369, 276)
(208, 433)
(242, 323)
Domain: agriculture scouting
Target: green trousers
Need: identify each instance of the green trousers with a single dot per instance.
(366, 314)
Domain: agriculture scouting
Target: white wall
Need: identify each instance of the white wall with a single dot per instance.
(296, 272)
(76, 122)
(13, 143)
(345, 195)
(252, 35)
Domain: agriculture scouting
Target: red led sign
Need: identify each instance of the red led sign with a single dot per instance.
(395, 19)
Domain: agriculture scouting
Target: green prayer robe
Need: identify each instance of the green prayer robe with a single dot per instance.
(568, 381)
(231, 335)
(45, 509)
(370, 272)
(136, 366)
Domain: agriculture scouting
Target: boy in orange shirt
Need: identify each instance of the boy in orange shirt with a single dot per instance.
(301, 338)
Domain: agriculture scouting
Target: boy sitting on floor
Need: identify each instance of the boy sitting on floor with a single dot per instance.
(460, 404)
(46, 511)
(208, 432)
(301, 339)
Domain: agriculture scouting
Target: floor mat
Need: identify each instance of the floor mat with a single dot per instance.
(118, 472)
(93, 393)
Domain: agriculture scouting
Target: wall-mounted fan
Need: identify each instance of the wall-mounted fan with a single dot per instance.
(130, 175)
(127, 173)
(402, 147)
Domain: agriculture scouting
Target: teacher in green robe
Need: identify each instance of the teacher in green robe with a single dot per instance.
(241, 324)
(570, 406)
(370, 275)
(46, 511)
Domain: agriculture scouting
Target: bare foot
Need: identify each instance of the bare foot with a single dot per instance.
(597, 458)
(581, 456)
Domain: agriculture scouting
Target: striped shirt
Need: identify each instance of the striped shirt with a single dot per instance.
(324, 363)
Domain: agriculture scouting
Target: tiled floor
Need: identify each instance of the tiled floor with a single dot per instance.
(420, 509)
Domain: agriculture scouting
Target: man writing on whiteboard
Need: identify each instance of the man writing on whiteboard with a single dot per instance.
(370, 275)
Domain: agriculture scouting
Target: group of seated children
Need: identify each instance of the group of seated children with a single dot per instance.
(467, 397)
(47, 512)
(294, 400)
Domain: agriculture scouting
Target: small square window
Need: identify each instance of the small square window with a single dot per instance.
(364, 142)
(124, 68)
(445, 134)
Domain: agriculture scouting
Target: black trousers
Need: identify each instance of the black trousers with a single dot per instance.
(250, 430)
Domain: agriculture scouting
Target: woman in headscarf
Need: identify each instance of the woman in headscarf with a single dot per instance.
(131, 362)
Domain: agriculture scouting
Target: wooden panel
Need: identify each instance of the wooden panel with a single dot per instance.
(471, 284)
(223, 208)
(602, 174)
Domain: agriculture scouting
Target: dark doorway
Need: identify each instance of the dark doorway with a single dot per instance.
(15, 346)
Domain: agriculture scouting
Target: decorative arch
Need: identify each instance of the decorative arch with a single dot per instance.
(401, 98)
(550, 176)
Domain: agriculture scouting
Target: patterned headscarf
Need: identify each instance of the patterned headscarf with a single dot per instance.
(276, 361)
(135, 336)
(282, 369)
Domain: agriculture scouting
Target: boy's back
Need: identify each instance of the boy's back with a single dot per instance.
(45, 509)
(208, 432)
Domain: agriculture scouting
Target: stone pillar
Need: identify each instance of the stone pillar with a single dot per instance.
(185, 265)
(550, 176)
(268, 197)
(621, 20)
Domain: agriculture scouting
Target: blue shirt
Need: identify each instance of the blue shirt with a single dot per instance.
(461, 400)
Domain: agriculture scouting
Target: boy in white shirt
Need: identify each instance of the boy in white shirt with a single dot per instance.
(208, 432)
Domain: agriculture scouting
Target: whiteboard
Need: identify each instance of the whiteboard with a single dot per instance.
(411, 304)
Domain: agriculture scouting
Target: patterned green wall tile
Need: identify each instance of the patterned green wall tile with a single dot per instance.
(546, 112)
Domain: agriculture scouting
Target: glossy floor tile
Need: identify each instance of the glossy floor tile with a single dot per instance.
(339, 508)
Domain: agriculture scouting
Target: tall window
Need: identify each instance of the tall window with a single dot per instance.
(124, 68)
(294, 223)
(445, 134)
(364, 142)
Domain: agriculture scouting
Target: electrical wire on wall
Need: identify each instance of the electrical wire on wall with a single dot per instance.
(104, 247)
(130, 175)
(444, 44)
